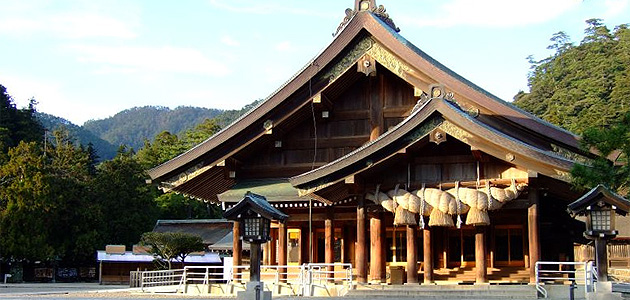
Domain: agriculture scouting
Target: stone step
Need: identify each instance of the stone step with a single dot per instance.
(447, 291)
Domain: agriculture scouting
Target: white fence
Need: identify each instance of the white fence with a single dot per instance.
(305, 279)
(557, 272)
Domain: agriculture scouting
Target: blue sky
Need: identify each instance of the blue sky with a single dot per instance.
(86, 59)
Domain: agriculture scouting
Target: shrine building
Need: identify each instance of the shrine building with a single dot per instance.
(384, 157)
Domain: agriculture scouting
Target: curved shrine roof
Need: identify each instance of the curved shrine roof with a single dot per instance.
(253, 125)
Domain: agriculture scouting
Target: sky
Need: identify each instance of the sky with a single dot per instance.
(86, 59)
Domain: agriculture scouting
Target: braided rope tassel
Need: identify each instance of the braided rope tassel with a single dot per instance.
(394, 197)
(459, 205)
(422, 207)
(488, 194)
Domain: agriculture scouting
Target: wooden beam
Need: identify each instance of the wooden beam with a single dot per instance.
(237, 247)
(305, 245)
(480, 255)
(428, 256)
(412, 254)
(329, 242)
(272, 249)
(339, 216)
(282, 252)
(376, 249)
(532, 227)
(360, 253)
(376, 106)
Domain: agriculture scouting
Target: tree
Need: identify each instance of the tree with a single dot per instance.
(167, 246)
(175, 206)
(17, 124)
(47, 191)
(582, 86)
(126, 199)
(612, 142)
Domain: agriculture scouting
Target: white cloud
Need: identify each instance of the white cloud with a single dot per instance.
(615, 7)
(269, 7)
(493, 13)
(67, 25)
(284, 46)
(162, 59)
(229, 41)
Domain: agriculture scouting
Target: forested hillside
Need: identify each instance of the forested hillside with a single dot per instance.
(104, 149)
(585, 85)
(585, 88)
(132, 126)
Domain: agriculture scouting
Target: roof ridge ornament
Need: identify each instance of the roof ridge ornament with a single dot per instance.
(366, 5)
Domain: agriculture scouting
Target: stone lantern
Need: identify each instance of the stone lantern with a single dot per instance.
(255, 214)
(600, 206)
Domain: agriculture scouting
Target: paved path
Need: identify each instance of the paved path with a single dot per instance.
(88, 291)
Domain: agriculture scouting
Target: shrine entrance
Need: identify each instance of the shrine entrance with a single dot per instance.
(509, 246)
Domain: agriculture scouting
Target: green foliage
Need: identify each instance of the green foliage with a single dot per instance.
(133, 126)
(166, 246)
(612, 142)
(103, 149)
(47, 191)
(17, 124)
(174, 206)
(126, 200)
(582, 86)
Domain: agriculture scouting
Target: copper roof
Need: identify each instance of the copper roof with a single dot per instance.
(433, 114)
(249, 127)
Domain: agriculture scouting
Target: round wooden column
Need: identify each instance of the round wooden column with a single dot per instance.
(360, 253)
(272, 247)
(282, 251)
(329, 241)
(480, 255)
(428, 256)
(237, 249)
(532, 226)
(377, 259)
(412, 255)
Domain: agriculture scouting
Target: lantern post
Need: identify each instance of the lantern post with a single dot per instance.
(255, 215)
(600, 206)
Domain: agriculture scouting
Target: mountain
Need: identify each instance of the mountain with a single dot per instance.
(132, 126)
(104, 149)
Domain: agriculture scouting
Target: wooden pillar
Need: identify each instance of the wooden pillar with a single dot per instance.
(305, 245)
(480, 255)
(428, 256)
(377, 259)
(272, 247)
(346, 234)
(360, 253)
(601, 259)
(412, 255)
(532, 227)
(282, 252)
(237, 249)
(329, 242)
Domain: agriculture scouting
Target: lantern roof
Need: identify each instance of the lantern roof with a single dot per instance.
(599, 196)
(257, 204)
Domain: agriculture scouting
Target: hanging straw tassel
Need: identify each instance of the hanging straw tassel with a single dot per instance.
(404, 217)
(438, 218)
(422, 203)
(459, 205)
(477, 217)
(378, 196)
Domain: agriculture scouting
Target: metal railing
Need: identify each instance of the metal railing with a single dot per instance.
(321, 275)
(578, 272)
(162, 280)
(302, 279)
